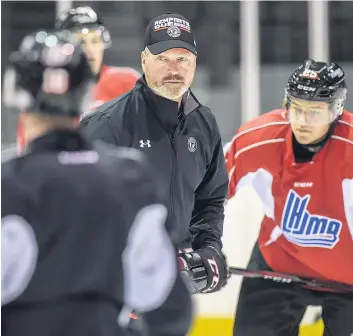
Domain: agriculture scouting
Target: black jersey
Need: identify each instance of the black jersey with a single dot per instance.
(75, 217)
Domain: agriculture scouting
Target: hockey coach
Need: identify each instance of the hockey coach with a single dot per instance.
(162, 117)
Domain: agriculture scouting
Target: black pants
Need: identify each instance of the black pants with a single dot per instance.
(62, 318)
(267, 308)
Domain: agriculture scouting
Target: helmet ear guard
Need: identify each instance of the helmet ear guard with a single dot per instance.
(337, 106)
(106, 38)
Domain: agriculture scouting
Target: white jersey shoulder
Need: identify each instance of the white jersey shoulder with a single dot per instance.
(19, 252)
(149, 265)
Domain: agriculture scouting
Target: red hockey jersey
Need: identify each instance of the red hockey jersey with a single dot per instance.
(113, 82)
(307, 229)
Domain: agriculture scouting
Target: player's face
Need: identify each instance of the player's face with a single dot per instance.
(170, 73)
(310, 120)
(93, 46)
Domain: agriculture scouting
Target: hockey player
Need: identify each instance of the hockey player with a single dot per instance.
(111, 82)
(299, 160)
(95, 37)
(75, 216)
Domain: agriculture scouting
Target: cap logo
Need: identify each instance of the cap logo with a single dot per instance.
(172, 22)
(173, 31)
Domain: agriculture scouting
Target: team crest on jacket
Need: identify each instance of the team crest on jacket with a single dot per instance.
(192, 144)
(302, 228)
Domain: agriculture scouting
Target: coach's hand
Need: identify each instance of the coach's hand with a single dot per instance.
(215, 263)
(204, 271)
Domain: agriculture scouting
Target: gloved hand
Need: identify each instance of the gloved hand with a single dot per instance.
(215, 263)
(192, 271)
(204, 270)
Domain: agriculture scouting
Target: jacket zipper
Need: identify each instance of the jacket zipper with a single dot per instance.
(174, 153)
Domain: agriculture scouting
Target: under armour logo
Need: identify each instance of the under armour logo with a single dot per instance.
(143, 144)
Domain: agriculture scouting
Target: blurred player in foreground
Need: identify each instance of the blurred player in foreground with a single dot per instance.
(110, 82)
(75, 215)
(299, 160)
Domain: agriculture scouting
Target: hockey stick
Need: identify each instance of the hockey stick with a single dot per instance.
(287, 278)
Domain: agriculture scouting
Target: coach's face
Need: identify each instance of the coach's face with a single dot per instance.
(170, 73)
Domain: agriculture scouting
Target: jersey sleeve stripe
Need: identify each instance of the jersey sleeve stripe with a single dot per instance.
(257, 144)
(275, 123)
(342, 139)
(345, 123)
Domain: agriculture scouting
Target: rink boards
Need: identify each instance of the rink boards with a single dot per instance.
(224, 327)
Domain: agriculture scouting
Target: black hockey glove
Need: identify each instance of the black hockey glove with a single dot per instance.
(192, 271)
(204, 270)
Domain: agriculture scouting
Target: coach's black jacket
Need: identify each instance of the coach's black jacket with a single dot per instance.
(185, 149)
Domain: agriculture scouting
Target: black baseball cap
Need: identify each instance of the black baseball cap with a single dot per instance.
(169, 31)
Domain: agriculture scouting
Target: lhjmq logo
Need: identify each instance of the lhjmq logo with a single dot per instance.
(302, 228)
(192, 144)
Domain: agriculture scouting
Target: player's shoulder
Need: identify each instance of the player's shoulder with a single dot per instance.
(11, 189)
(8, 168)
(267, 126)
(131, 163)
(12, 170)
(9, 153)
(109, 110)
(12, 163)
(344, 127)
(267, 121)
(119, 154)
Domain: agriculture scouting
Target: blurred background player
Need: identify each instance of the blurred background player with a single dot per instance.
(300, 162)
(95, 37)
(111, 82)
(72, 228)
